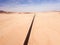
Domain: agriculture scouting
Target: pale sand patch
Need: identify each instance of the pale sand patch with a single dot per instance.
(45, 31)
(14, 28)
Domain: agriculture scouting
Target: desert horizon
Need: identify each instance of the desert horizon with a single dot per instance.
(29, 22)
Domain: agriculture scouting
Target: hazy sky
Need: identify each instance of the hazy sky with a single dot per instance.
(29, 5)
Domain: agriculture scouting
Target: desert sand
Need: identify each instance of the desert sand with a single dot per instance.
(45, 31)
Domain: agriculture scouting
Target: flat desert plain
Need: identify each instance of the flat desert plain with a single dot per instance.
(45, 30)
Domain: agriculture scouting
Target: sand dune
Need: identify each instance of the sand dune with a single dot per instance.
(45, 30)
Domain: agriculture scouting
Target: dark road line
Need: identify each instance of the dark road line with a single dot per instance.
(29, 32)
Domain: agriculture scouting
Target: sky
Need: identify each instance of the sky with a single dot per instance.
(30, 5)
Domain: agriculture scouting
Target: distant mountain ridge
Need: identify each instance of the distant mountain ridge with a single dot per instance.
(1, 11)
(7, 12)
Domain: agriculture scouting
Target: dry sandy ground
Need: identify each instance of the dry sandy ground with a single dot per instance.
(45, 30)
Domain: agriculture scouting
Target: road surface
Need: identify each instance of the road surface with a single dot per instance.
(45, 30)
